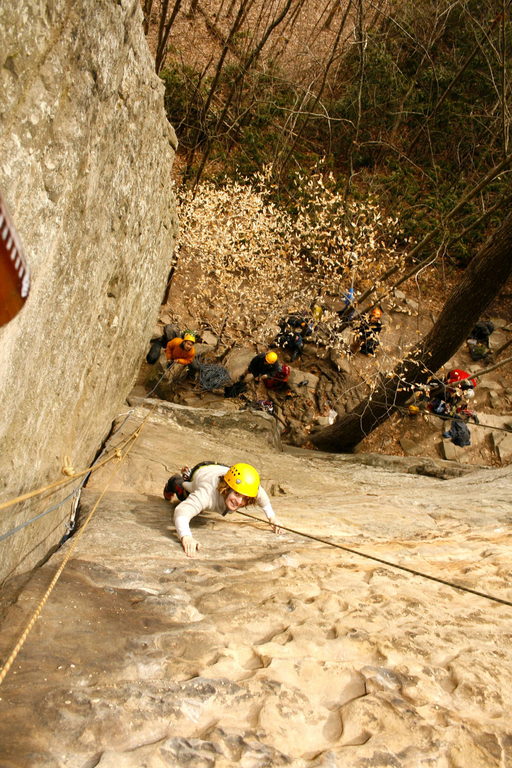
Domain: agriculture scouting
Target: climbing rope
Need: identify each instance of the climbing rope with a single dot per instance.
(443, 417)
(212, 376)
(385, 562)
(70, 476)
(156, 385)
(35, 615)
(73, 494)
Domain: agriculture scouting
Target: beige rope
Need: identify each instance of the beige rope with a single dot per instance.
(70, 475)
(35, 615)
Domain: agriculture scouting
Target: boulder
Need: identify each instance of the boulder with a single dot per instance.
(87, 153)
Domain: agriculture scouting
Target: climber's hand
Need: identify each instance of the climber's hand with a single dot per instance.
(274, 524)
(190, 545)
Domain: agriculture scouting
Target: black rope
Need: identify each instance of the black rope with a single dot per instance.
(386, 562)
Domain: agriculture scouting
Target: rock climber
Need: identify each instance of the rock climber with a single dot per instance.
(262, 365)
(160, 342)
(181, 350)
(367, 333)
(218, 488)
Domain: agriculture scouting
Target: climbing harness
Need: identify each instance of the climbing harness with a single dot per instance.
(385, 562)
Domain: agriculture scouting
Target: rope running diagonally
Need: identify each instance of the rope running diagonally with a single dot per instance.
(386, 562)
(35, 615)
(70, 477)
(59, 504)
(444, 417)
(73, 475)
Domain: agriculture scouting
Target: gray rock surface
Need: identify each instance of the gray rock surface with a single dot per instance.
(85, 169)
(268, 650)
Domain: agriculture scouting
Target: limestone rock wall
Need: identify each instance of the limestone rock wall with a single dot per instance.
(268, 650)
(85, 164)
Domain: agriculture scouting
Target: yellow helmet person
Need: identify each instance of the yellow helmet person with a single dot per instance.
(243, 478)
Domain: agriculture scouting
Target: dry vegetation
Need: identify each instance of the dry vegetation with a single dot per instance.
(259, 261)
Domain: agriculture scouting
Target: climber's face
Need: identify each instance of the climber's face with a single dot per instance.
(235, 501)
(187, 345)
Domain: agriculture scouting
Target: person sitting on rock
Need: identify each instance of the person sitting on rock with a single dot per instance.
(218, 488)
(262, 365)
(451, 395)
(299, 322)
(279, 381)
(181, 350)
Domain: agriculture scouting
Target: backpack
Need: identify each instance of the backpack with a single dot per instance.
(478, 351)
(235, 389)
(153, 355)
(459, 433)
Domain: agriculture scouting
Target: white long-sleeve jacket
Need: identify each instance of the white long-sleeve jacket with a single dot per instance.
(204, 495)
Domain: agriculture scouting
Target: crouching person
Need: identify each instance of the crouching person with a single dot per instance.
(218, 488)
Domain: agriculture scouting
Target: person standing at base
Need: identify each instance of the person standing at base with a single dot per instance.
(279, 381)
(265, 364)
(218, 488)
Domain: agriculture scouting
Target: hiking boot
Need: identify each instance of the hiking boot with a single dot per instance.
(174, 486)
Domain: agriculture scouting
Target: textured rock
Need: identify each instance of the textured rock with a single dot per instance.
(85, 169)
(268, 650)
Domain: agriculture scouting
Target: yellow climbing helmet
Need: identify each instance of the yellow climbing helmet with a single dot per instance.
(270, 357)
(244, 479)
(188, 336)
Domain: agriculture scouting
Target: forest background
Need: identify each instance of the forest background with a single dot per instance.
(332, 144)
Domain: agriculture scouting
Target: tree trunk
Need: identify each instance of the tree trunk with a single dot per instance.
(482, 280)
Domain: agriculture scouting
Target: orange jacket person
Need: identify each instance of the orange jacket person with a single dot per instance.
(181, 350)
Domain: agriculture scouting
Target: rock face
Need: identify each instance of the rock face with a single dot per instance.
(268, 650)
(85, 170)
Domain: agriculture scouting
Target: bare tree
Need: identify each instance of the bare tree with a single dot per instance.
(164, 30)
(237, 83)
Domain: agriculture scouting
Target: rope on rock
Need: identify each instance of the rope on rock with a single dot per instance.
(35, 615)
(443, 417)
(413, 571)
(74, 494)
(69, 477)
